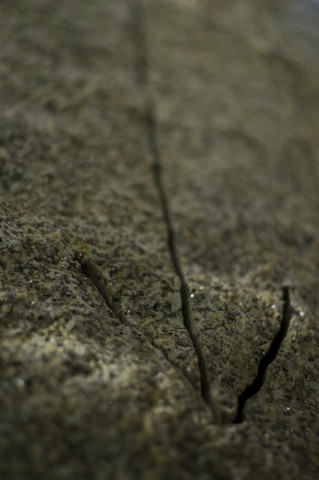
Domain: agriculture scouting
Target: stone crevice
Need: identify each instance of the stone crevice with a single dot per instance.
(138, 30)
(253, 389)
(150, 122)
(91, 271)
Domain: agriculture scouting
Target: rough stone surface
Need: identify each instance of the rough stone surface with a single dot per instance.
(237, 125)
(101, 376)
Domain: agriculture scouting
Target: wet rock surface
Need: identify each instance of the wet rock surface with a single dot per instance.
(159, 183)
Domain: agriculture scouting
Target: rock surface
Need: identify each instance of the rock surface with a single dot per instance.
(159, 180)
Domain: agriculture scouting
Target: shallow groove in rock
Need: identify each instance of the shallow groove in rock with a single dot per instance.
(92, 272)
(139, 37)
(267, 359)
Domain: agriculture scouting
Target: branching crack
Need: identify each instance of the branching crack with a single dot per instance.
(139, 36)
(267, 359)
(92, 272)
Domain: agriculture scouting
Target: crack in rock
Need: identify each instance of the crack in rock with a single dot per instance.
(184, 289)
(142, 74)
(93, 273)
(267, 359)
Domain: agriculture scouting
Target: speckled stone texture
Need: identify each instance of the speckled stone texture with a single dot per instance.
(238, 129)
(101, 375)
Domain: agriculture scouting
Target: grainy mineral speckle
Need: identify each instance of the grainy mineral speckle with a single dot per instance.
(99, 376)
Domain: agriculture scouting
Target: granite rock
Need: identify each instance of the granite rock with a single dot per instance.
(159, 176)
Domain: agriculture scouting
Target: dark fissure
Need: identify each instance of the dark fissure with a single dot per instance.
(139, 37)
(184, 289)
(92, 272)
(138, 30)
(267, 359)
